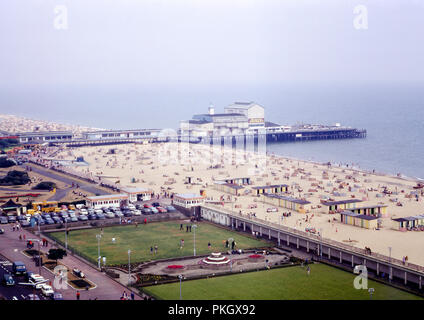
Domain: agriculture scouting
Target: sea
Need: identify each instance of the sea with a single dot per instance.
(393, 115)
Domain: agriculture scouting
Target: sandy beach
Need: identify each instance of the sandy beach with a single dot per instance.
(164, 167)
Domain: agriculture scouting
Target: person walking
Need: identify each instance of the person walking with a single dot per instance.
(181, 226)
(156, 249)
(209, 245)
(151, 250)
(78, 295)
(308, 270)
(132, 296)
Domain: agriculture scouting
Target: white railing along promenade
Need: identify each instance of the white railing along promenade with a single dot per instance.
(337, 244)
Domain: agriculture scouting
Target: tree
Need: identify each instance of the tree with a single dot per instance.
(45, 185)
(56, 254)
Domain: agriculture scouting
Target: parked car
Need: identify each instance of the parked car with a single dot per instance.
(154, 210)
(46, 290)
(118, 214)
(137, 212)
(8, 280)
(21, 218)
(170, 208)
(131, 206)
(11, 219)
(1, 231)
(78, 273)
(82, 218)
(57, 220)
(161, 210)
(138, 206)
(18, 267)
(110, 215)
(3, 220)
(127, 213)
(90, 210)
(100, 216)
(32, 296)
(25, 224)
(146, 211)
(156, 204)
(271, 210)
(147, 205)
(92, 217)
(56, 296)
(74, 219)
(49, 221)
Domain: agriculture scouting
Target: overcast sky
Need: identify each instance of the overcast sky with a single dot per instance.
(209, 42)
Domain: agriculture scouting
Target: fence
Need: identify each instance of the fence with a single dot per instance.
(323, 240)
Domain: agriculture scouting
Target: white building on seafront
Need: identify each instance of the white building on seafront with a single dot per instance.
(137, 194)
(109, 200)
(238, 118)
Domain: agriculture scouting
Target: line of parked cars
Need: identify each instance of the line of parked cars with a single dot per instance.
(85, 214)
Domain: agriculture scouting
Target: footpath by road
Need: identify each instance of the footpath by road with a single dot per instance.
(106, 288)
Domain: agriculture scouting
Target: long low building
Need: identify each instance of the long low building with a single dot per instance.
(374, 210)
(121, 134)
(359, 220)
(299, 205)
(271, 189)
(223, 186)
(109, 200)
(341, 205)
(406, 223)
(44, 136)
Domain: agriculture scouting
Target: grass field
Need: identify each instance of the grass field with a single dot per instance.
(166, 235)
(291, 283)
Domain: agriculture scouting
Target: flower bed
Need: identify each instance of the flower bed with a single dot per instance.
(255, 257)
(175, 266)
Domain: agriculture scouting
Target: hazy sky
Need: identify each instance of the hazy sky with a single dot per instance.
(209, 42)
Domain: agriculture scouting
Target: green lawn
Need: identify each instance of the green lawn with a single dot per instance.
(166, 235)
(291, 283)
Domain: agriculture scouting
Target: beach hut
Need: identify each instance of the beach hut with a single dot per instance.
(223, 186)
(299, 205)
(359, 220)
(373, 210)
(406, 223)
(271, 189)
(238, 181)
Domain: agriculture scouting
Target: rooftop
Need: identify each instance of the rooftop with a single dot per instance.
(271, 186)
(294, 200)
(333, 203)
(356, 215)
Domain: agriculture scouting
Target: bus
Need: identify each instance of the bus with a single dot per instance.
(45, 206)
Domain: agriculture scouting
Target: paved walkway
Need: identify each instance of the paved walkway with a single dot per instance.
(106, 288)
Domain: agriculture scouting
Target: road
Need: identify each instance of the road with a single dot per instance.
(18, 291)
(85, 186)
(11, 250)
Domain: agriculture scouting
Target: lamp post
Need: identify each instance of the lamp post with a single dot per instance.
(98, 236)
(66, 234)
(390, 254)
(320, 234)
(129, 267)
(180, 277)
(194, 236)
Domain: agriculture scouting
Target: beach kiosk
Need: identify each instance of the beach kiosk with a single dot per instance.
(299, 205)
(359, 220)
(12, 208)
(109, 200)
(242, 181)
(137, 194)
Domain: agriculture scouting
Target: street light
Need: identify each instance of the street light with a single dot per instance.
(129, 267)
(180, 277)
(194, 242)
(66, 233)
(390, 254)
(98, 236)
(371, 291)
